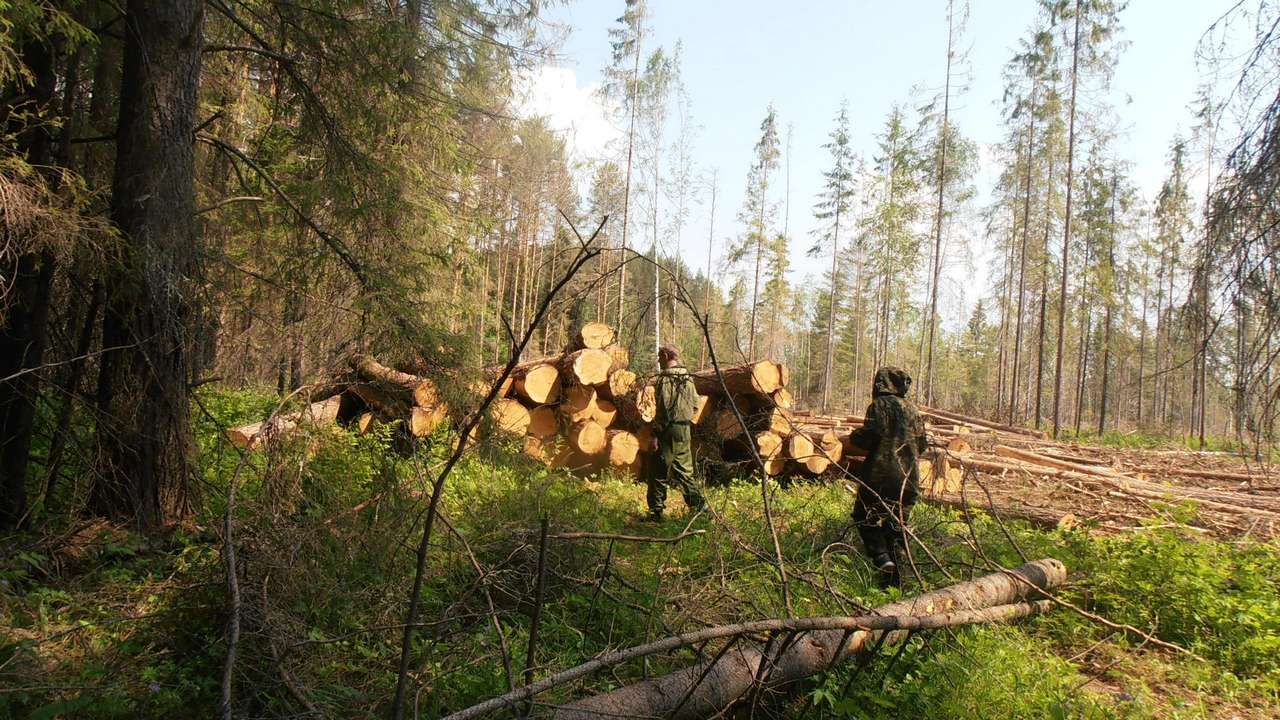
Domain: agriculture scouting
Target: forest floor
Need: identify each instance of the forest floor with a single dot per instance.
(97, 621)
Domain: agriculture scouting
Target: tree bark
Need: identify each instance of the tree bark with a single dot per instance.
(942, 184)
(23, 329)
(145, 436)
(1022, 262)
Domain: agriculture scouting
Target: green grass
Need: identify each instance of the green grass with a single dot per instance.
(320, 573)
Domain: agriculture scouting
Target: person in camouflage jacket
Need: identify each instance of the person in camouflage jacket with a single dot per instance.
(893, 438)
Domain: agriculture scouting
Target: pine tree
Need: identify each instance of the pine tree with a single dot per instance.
(833, 206)
(622, 84)
(757, 214)
(890, 227)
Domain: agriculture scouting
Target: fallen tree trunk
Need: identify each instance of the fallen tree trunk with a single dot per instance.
(948, 416)
(316, 414)
(415, 390)
(1009, 510)
(1006, 451)
(710, 687)
(1206, 474)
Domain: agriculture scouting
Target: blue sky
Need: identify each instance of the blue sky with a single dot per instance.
(806, 56)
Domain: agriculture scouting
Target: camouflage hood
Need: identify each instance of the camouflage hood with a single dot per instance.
(891, 380)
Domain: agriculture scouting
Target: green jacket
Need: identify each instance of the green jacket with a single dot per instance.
(676, 395)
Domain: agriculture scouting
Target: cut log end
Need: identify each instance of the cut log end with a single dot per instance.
(594, 335)
(510, 416)
(589, 366)
(587, 437)
(544, 423)
(539, 384)
(624, 447)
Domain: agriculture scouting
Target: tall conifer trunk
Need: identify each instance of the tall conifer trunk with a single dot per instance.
(23, 329)
(1066, 229)
(145, 429)
(1022, 260)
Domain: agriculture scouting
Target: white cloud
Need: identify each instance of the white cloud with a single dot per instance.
(573, 109)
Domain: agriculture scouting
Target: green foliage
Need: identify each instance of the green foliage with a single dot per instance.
(984, 672)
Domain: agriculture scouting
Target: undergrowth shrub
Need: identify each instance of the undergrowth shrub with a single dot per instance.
(981, 672)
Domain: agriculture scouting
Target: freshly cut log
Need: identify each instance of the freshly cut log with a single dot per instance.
(758, 378)
(784, 374)
(510, 416)
(639, 406)
(316, 414)
(480, 388)
(816, 464)
(1206, 474)
(799, 447)
(579, 403)
(424, 420)
(725, 425)
(366, 422)
(618, 385)
(703, 410)
(959, 446)
(538, 383)
(535, 447)
(587, 437)
(544, 422)
(939, 475)
(946, 416)
(623, 448)
(1006, 451)
(589, 366)
(376, 398)
(603, 412)
(775, 465)
(955, 479)
(420, 390)
(778, 421)
(593, 335)
(768, 444)
(783, 399)
(620, 357)
(829, 445)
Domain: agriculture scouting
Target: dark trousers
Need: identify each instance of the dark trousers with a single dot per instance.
(881, 514)
(673, 465)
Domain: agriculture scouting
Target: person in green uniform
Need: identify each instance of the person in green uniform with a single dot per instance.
(893, 438)
(677, 401)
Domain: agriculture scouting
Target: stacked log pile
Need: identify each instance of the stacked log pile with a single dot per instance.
(584, 410)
